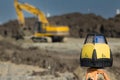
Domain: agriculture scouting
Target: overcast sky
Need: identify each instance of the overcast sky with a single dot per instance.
(105, 8)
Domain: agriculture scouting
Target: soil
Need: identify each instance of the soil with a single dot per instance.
(55, 57)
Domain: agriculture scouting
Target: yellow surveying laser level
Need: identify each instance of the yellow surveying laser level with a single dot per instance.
(96, 52)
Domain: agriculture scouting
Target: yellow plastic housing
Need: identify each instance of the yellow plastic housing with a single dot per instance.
(102, 50)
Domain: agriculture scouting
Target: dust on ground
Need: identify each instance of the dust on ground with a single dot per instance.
(54, 58)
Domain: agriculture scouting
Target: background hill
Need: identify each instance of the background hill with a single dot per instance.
(80, 25)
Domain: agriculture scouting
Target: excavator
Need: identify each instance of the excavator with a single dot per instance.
(43, 31)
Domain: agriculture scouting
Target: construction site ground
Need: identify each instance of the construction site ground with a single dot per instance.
(25, 60)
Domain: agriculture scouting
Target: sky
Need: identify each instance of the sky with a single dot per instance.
(105, 8)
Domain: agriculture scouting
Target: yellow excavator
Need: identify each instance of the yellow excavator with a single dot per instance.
(43, 31)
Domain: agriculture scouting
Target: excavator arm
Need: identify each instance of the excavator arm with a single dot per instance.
(31, 9)
(20, 14)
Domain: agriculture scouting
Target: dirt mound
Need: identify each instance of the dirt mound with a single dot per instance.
(80, 25)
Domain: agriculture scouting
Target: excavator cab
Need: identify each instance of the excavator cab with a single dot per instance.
(38, 27)
(39, 32)
(96, 52)
(48, 33)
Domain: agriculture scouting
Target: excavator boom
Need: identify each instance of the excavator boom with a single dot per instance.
(31, 9)
(20, 14)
